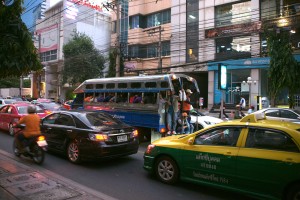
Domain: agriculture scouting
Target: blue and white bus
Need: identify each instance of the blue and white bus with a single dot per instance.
(116, 96)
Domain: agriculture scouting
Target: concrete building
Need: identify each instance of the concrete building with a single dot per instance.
(200, 35)
(55, 30)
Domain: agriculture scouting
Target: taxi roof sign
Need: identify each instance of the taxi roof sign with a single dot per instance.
(253, 117)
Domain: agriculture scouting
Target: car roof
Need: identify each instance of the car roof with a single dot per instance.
(259, 119)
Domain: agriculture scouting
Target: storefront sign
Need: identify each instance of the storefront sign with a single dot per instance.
(233, 30)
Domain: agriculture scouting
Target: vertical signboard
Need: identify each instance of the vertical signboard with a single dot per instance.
(222, 77)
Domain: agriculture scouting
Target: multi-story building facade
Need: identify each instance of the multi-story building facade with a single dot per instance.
(202, 34)
(145, 35)
(55, 30)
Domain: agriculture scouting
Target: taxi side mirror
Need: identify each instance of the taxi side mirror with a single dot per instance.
(191, 141)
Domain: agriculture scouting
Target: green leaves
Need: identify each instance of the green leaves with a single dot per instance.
(82, 60)
(18, 56)
(284, 70)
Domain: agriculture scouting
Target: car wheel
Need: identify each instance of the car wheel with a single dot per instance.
(73, 152)
(11, 130)
(293, 192)
(166, 170)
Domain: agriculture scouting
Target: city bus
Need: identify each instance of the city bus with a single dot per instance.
(135, 100)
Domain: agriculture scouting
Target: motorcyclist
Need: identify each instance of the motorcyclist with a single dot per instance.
(32, 128)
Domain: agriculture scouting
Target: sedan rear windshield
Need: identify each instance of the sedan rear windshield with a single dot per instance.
(101, 119)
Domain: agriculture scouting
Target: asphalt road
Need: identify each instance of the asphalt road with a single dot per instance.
(125, 178)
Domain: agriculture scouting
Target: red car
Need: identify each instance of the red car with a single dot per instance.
(10, 114)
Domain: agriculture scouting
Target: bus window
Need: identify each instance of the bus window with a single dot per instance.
(110, 85)
(122, 97)
(122, 85)
(149, 98)
(131, 97)
(99, 97)
(99, 86)
(108, 96)
(150, 85)
(164, 84)
(89, 86)
(136, 85)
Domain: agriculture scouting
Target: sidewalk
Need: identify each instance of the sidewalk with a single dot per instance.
(20, 178)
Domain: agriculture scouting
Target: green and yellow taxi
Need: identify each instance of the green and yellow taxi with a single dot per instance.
(253, 155)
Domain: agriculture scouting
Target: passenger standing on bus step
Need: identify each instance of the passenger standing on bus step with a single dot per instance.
(186, 105)
(172, 111)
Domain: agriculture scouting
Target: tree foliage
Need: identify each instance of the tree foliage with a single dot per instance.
(18, 55)
(82, 60)
(284, 70)
(112, 63)
(14, 82)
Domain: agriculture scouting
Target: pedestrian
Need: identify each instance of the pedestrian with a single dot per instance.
(224, 112)
(242, 103)
(172, 111)
(251, 110)
(184, 126)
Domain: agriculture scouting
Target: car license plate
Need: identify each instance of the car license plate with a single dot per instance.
(42, 143)
(122, 138)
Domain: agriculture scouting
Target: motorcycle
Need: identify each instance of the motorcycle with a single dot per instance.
(37, 147)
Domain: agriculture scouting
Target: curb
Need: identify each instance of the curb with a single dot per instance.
(40, 183)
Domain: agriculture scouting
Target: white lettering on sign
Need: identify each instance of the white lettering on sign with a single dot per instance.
(118, 116)
(208, 158)
(208, 166)
(210, 177)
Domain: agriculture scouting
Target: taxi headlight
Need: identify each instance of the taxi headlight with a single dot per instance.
(150, 148)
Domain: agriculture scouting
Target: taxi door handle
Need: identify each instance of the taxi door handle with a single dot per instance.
(289, 161)
(228, 154)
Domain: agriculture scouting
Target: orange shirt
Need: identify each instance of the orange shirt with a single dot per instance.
(32, 122)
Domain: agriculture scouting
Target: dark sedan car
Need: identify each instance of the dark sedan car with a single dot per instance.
(86, 135)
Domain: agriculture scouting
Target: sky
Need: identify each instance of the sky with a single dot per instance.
(27, 15)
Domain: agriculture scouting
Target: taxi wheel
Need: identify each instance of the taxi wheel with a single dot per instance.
(293, 193)
(166, 170)
(73, 152)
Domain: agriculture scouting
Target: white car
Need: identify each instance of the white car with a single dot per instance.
(283, 114)
(203, 120)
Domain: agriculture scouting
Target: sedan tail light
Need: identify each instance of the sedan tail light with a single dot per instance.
(98, 137)
(135, 133)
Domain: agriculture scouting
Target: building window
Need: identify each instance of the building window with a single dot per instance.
(49, 55)
(233, 47)
(233, 14)
(165, 48)
(134, 22)
(133, 51)
(151, 50)
(269, 9)
(159, 18)
(192, 31)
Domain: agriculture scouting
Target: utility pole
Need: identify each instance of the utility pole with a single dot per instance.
(118, 40)
(115, 6)
(158, 30)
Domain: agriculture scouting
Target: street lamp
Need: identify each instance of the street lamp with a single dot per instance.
(249, 82)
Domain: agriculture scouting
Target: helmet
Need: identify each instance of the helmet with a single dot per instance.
(31, 109)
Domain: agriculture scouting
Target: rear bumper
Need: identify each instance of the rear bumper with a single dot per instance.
(101, 151)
